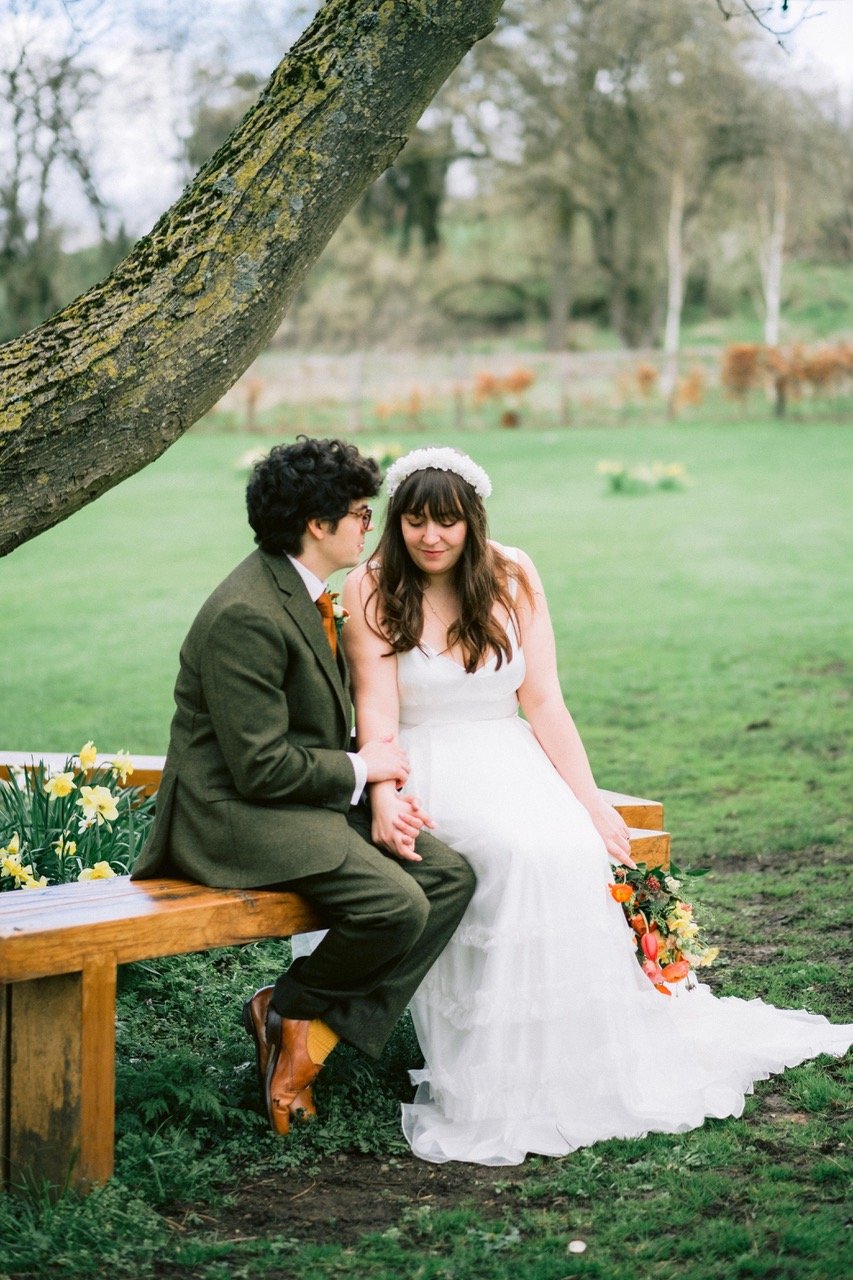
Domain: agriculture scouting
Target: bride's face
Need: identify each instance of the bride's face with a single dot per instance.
(434, 545)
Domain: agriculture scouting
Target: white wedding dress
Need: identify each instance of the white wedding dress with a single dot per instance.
(539, 1030)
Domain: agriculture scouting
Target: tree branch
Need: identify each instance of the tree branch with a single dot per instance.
(108, 383)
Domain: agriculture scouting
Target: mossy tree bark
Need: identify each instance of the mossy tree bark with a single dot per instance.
(107, 384)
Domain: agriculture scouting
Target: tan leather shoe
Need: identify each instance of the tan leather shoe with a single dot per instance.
(255, 1021)
(290, 1072)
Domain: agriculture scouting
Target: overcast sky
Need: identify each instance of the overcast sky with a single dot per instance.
(823, 41)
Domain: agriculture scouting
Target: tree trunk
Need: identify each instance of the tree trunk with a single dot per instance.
(108, 383)
(561, 268)
(772, 255)
(674, 292)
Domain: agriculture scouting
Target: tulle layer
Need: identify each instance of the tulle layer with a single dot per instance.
(664, 1067)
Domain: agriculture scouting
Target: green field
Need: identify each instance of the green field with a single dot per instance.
(704, 641)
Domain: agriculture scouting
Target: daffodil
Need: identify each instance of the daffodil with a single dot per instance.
(10, 865)
(98, 804)
(122, 765)
(61, 784)
(100, 871)
(88, 755)
(13, 847)
(65, 848)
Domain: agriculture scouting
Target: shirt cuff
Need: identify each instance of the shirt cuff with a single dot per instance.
(360, 771)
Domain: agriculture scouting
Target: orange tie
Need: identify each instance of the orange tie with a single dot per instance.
(327, 613)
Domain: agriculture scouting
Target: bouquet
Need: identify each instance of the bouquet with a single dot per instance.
(670, 942)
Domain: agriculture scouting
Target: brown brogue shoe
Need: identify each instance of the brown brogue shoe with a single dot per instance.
(255, 1022)
(290, 1071)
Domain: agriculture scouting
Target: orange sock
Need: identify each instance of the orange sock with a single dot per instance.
(321, 1041)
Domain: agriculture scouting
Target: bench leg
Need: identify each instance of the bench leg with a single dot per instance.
(57, 1070)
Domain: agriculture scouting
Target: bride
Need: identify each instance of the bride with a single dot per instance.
(540, 1032)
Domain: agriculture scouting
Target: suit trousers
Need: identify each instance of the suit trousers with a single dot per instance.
(388, 921)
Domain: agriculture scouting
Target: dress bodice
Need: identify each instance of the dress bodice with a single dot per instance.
(435, 689)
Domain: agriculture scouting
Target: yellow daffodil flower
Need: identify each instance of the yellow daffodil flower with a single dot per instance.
(122, 765)
(65, 848)
(11, 866)
(61, 784)
(32, 883)
(100, 871)
(13, 847)
(87, 755)
(98, 804)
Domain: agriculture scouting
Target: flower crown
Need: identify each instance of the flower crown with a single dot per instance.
(444, 459)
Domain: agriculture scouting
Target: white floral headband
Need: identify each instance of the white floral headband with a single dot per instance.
(444, 459)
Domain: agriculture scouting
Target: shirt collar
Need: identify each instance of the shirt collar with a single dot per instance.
(314, 585)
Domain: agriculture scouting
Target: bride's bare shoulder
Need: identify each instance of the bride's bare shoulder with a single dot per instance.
(515, 554)
(360, 584)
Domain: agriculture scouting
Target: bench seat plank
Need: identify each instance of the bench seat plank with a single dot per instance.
(136, 921)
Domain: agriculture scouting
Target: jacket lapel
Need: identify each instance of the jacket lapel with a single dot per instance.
(301, 608)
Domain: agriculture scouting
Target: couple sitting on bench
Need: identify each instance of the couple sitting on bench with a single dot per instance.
(461, 854)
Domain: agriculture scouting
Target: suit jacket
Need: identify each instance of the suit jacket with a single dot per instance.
(256, 785)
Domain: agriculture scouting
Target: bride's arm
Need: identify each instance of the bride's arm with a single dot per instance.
(541, 700)
(397, 819)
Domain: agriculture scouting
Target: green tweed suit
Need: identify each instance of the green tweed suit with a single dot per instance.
(257, 789)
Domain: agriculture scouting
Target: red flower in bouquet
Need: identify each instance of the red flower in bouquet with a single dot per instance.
(668, 939)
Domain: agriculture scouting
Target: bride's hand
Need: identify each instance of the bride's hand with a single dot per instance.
(397, 822)
(613, 830)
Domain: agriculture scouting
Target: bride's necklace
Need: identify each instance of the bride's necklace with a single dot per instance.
(447, 625)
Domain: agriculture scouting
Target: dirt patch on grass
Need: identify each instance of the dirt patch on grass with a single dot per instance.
(349, 1196)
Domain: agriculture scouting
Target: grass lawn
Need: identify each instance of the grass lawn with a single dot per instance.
(704, 651)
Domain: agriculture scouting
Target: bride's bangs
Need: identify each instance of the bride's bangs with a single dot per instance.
(439, 491)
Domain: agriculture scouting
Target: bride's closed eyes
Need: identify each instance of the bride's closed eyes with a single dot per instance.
(418, 521)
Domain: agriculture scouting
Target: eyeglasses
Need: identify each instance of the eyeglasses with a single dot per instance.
(364, 514)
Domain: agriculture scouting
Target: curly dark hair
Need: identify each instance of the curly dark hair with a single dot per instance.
(309, 480)
(483, 576)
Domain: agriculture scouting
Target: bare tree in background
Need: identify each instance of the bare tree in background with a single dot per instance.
(43, 97)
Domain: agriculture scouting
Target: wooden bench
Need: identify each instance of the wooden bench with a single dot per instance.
(59, 951)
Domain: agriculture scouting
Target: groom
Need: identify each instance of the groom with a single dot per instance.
(260, 788)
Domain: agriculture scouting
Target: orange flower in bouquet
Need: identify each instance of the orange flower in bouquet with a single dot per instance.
(670, 942)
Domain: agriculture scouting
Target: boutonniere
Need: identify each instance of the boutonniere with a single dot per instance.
(339, 613)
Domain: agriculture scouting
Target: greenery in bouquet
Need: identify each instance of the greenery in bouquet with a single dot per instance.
(82, 823)
(670, 942)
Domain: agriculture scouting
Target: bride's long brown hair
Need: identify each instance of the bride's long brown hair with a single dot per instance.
(482, 576)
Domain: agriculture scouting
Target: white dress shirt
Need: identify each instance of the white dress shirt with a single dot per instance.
(315, 587)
